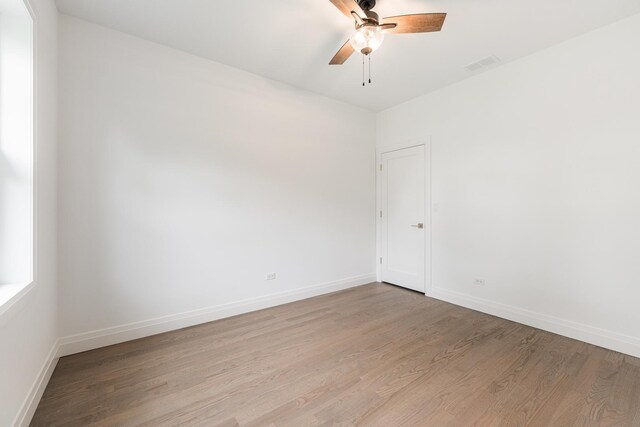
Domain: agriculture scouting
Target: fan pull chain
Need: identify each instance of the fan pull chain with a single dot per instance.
(363, 65)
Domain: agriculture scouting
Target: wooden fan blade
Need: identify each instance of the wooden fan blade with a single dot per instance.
(419, 23)
(343, 54)
(348, 6)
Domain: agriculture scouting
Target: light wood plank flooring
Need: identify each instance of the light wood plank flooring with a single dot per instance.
(373, 355)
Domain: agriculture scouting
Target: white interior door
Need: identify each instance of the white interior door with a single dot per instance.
(402, 218)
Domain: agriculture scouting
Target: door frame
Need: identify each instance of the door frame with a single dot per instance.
(426, 143)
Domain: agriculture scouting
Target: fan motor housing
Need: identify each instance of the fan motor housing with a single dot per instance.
(367, 4)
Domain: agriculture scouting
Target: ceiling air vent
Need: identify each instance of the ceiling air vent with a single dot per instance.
(483, 63)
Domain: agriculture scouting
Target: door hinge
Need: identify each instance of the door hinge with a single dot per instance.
(380, 214)
(380, 167)
(380, 260)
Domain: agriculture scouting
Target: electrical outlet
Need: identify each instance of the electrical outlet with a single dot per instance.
(271, 276)
(479, 282)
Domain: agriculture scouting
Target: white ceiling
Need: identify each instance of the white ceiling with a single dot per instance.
(292, 41)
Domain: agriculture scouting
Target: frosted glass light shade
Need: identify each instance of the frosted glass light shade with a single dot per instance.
(367, 39)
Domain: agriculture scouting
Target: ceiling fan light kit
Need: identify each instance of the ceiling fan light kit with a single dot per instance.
(370, 32)
(367, 39)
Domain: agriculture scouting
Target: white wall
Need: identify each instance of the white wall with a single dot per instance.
(535, 176)
(28, 329)
(16, 145)
(183, 182)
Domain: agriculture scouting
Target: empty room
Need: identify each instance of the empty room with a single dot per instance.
(319, 213)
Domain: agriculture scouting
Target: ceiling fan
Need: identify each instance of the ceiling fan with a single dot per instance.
(370, 31)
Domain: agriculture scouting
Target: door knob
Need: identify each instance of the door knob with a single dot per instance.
(418, 225)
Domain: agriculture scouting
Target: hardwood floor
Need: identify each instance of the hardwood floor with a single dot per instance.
(373, 355)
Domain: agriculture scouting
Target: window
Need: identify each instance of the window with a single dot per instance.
(16, 148)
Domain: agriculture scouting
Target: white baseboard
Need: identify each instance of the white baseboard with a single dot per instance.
(114, 335)
(23, 419)
(600, 337)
